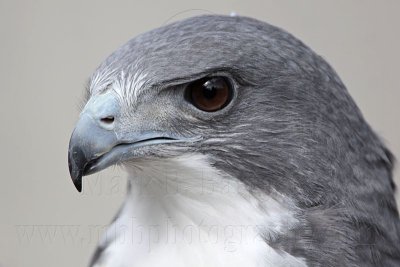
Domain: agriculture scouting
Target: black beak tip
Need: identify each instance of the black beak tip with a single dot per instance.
(75, 171)
(78, 184)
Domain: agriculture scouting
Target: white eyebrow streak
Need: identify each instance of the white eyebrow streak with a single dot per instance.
(128, 86)
(101, 79)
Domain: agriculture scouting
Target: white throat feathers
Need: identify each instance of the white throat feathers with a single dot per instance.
(182, 211)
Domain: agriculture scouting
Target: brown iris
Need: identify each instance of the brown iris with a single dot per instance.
(209, 94)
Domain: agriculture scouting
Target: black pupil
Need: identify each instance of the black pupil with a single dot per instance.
(210, 89)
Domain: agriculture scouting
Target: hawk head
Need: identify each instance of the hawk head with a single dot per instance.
(260, 108)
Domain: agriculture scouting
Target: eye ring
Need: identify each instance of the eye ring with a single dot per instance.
(210, 94)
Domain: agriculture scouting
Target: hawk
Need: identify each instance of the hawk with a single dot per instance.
(242, 148)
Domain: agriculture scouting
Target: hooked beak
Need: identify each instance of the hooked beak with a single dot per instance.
(95, 145)
(92, 149)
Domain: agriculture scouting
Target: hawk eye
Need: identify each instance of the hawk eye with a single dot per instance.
(209, 94)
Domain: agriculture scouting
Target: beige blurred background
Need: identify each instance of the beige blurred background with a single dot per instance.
(49, 48)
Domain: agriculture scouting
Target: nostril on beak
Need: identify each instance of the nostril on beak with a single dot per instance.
(107, 120)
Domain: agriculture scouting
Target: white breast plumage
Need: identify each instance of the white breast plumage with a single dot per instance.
(184, 212)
